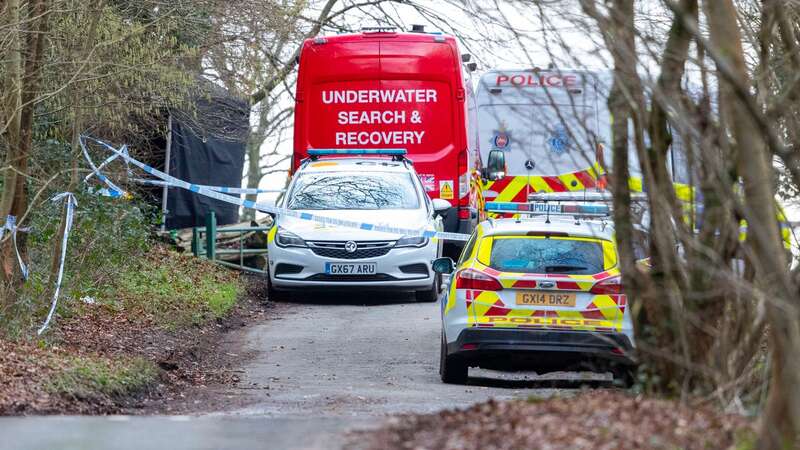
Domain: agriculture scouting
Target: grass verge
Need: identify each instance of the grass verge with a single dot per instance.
(119, 338)
(177, 291)
(102, 380)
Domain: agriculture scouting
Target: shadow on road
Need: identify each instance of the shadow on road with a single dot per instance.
(539, 384)
(353, 298)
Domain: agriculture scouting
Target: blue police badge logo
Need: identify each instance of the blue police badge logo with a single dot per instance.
(559, 141)
(501, 140)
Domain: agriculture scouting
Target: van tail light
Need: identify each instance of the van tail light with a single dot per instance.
(609, 286)
(473, 279)
(463, 179)
(464, 213)
(463, 185)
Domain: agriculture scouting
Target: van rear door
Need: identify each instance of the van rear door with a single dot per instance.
(545, 131)
(335, 73)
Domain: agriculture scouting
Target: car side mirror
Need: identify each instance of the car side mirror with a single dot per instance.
(496, 165)
(443, 265)
(440, 205)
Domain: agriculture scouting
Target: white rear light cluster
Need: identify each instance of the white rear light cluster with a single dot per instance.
(611, 285)
(473, 279)
(463, 185)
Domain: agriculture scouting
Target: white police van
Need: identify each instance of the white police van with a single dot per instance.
(375, 188)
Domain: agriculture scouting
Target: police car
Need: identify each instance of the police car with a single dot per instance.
(541, 291)
(373, 188)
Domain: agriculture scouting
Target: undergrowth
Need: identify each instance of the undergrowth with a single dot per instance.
(177, 290)
(118, 282)
(100, 379)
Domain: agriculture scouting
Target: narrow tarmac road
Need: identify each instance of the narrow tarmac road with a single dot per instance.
(365, 356)
(323, 366)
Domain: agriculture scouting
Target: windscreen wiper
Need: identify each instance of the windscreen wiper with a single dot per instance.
(564, 268)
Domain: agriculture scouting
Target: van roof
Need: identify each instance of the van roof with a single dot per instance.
(381, 35)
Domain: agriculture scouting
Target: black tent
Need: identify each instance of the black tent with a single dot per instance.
(207, 147)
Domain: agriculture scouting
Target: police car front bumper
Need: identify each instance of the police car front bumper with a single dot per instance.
(487, 347)
(404, 268)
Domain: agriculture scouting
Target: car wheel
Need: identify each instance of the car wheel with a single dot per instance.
(452, 369)
(432, 294)
(273, 294)
(624, 377)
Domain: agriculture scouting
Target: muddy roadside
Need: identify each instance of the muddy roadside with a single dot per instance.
(591, 419)
(162, 344)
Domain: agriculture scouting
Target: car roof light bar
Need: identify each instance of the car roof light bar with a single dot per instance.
(580, 196)
(356, 151)
(540, 208)
(397, 154)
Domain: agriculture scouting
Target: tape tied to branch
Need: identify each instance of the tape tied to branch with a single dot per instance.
(11, 227)
(171, 181)
(69, 204)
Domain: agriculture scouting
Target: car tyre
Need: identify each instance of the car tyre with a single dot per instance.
(624, 377)
(452, 369)
(432, 294)
(273, 294)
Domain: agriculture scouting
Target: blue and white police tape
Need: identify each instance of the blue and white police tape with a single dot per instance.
(69, 203)
(11, 226)
(224, 190)
(270, 209)
(113, 189)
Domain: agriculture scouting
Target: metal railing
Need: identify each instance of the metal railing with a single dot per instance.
(205, 244)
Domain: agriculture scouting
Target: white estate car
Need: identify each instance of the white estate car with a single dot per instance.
(374, 190)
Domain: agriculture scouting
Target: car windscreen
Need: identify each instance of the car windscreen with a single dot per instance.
(538, 254)
(354, 190)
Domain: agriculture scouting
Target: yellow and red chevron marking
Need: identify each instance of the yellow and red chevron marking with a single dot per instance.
(513, 188)
(603, 313)
(563, 281)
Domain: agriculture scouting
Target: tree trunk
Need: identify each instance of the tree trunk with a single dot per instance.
(12, 106)
(781, 421)
(15, 195)
(254, 174)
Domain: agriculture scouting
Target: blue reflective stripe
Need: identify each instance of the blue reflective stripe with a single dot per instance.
(429, 234)
(194, 188)
(249, 204)
(147, 168)
(367, 226)
(507, 206)
(567, 208)
(306, 216)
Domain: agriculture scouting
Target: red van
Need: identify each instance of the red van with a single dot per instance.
(388, 90)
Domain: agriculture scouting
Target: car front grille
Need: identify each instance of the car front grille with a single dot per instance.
(336, 249)
(346, 278)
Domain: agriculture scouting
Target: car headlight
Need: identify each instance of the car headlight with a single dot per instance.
(417, 241)
(286, 238)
